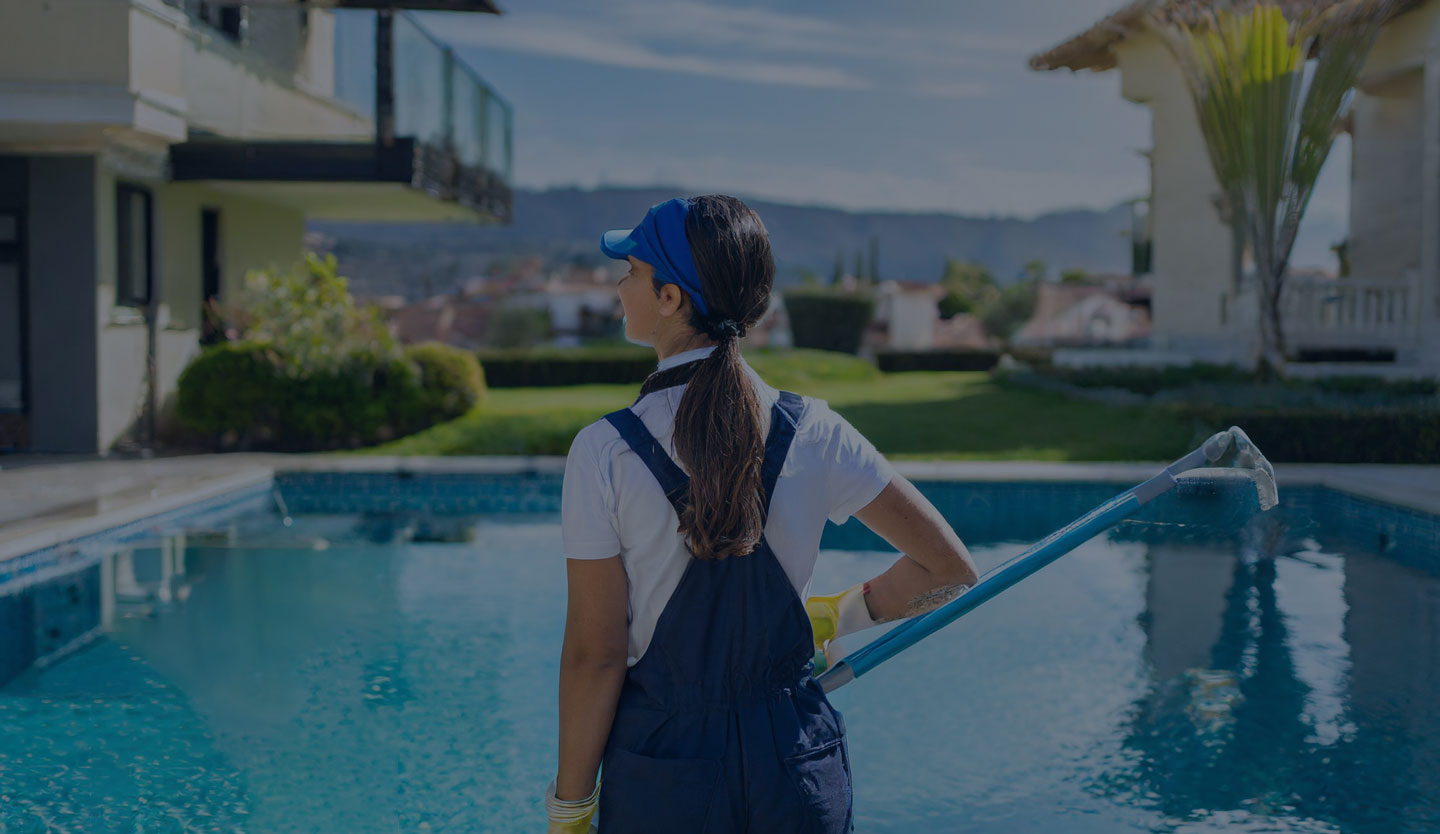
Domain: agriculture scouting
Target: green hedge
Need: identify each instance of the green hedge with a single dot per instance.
(546, 367)
(827, 320)
(242, 395)
(1409, 435)
(230, 390)
(1039, 358)
(899, 361)
(1147, 380)
(451, 381)
(1144, 380)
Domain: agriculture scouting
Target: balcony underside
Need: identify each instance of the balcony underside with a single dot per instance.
(348, 180)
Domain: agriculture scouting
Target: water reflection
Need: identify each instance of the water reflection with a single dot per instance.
(1290, 685)
(334, 655)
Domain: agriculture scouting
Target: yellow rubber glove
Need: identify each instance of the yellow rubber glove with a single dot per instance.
(835, 616)
(570, 816)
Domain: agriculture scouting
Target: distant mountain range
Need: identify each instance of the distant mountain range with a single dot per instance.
(564, 225)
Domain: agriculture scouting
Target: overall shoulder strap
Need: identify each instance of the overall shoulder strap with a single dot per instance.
(785, 417)
(672, 480)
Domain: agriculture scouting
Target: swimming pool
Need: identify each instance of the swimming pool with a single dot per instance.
(388, 660)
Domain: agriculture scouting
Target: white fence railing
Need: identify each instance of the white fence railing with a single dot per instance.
(1350, 312)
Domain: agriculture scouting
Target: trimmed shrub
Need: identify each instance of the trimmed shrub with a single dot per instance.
(366, 399)
(826, 320)
(1147, 380)
(244, 395)
(796, 368)
(899, 361)
(515, 326)
(1036, 357)
(230, 393)
(1330, 436)
(451, 381)
(545, 367)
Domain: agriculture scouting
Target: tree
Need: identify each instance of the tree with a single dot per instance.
(874, 258)
(308, 315)
(1342, 257)
(1269, 91)
(839, 272)
(1012, 308)
(859, 266)
(1074, 276)
(969, 279)
(953, 304)
(1034, 270)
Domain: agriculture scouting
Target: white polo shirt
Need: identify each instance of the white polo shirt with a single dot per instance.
(610, 503)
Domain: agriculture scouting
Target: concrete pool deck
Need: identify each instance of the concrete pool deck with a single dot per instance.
(45, 501)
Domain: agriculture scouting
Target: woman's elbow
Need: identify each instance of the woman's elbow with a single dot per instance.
(594, 658)
(958, 570)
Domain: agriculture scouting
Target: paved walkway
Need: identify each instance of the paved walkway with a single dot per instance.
(47, 500)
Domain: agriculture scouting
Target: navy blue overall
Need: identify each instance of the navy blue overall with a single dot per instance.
(720, 727)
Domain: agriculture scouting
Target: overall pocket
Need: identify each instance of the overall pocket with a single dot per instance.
(822, 776)
(645, 795)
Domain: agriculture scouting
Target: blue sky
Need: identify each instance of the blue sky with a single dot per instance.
(903, 104)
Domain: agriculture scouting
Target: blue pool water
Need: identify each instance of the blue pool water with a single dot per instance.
(367, 672)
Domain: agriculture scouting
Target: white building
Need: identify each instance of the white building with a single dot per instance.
(1389, 308)
(906, 313)
(151, 151)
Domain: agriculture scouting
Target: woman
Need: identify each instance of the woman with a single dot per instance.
(691, 521)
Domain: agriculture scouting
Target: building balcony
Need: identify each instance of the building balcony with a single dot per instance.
(428, 138)
(1353, 314)
(1329, 320)
(341, 109)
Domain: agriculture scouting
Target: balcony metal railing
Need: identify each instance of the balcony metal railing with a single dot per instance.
(388, 67)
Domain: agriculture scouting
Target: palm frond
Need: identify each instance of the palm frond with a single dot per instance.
(1270, 80)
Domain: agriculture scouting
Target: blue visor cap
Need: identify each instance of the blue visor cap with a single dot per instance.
(660, 241)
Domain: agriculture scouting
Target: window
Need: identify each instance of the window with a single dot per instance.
(228, 18)
(12, 320)
(132, 246)
(210, 324)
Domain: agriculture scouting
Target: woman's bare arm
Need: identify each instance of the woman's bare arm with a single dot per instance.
(592, 669)
(935, 566)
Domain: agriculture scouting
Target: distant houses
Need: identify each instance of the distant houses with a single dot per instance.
(1111, 311)
(907, 317)
(1384, 317)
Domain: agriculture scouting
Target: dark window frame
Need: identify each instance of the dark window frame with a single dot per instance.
(212, 271)
(14, 252)
(227, 19)
(125, 283)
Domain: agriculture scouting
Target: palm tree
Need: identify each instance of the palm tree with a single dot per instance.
(1270, 80)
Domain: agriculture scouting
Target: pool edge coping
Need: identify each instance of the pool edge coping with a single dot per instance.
(79, 528)
(1371, 483)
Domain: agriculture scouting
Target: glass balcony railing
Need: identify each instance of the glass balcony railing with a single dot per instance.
(425, 94)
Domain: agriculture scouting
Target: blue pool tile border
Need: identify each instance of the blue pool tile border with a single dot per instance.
(443, 493)
(49, 597)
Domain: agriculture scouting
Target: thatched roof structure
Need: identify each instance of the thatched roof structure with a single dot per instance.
(1093, 48)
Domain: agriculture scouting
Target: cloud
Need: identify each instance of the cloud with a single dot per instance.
(567, 38)
(952, 89)
(746, 44)
(700, 22)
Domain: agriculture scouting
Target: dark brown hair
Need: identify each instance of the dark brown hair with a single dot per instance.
(720, 425)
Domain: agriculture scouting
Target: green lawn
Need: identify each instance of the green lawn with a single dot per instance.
(919, 415)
